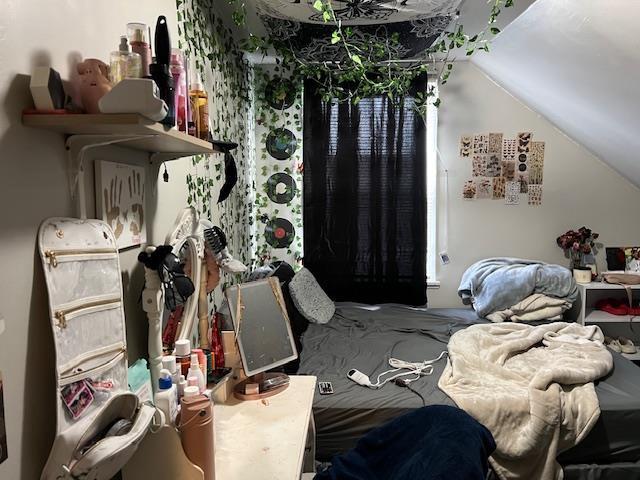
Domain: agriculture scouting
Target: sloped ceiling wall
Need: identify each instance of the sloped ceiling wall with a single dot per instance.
(577, 62)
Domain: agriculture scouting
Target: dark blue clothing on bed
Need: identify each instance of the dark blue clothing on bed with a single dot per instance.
(432, 443)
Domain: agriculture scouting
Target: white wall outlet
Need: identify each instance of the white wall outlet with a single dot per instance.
(444, 258)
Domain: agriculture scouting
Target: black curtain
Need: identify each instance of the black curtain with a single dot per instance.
(365, 198)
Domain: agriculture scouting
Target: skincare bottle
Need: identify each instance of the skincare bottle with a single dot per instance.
(194, 371)
(182, 384)
(169, 363)
(199, 107)
(180, 88)
(191, 392)
(183, 355)
(124, 63)
(165, 398)
(137, 33)
(202, 359)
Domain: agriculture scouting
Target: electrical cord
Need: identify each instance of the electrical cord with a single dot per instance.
(402, 382)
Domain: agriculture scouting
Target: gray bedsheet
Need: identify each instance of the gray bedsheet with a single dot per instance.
(364, 337)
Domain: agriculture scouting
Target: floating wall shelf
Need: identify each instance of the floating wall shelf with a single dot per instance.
(85, 132)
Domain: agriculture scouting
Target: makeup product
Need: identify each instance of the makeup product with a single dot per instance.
(139, 41)
(202, 359)
(159, 70)
(166, 398)
(124, 63)
(196, 433)
(199, 107)
(183, 355)
(180, 88)
(195, 371)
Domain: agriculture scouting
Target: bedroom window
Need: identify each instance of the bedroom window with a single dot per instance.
(432, 187)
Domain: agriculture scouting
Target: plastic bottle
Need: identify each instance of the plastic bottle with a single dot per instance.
(191, 391)
(180, 88)
(182, 384)
(195, 371)
(199, 107)
(124, 63)
(169, 363)
(166, 398)
(202, 359)
(137, 33)
(183, 355)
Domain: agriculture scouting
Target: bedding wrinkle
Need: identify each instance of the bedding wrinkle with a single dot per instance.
(531, 386)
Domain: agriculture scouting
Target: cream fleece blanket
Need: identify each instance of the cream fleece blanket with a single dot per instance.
(532, 387)
(534, 307)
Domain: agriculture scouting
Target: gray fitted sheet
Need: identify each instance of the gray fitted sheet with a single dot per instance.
(364, 337)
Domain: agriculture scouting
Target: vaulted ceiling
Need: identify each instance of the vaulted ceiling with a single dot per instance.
(577, 62)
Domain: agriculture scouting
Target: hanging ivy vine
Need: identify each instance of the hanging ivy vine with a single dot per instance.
(373, 69)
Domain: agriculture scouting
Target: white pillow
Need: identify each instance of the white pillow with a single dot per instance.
(309, 298)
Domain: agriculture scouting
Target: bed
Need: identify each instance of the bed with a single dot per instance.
(364, 337)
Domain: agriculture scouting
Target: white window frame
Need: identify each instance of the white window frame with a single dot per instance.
(432, 186)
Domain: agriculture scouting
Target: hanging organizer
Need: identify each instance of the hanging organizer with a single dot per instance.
(99, 421)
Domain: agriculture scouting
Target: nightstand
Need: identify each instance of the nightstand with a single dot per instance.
(270, 439)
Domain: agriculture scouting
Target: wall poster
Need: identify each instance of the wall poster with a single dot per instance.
(503, 168)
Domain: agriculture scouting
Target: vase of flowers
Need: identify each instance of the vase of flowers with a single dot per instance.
(576, 244)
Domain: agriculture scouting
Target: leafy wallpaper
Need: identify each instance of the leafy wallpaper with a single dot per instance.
(228, 79)
(278, 161)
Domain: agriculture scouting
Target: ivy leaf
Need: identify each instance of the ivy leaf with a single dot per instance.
(335, 37)
(495, 30)
(318, 5)
(326, 16)
(356, 59)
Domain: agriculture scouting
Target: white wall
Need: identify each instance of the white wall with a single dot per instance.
(588, 52)
(578, 188)
(33, 186)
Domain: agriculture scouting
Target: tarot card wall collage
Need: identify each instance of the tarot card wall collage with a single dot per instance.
(503, 168)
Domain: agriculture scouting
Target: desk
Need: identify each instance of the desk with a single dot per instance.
(267, 439)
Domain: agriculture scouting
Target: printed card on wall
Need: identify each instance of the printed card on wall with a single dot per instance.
(469, 190)
(498, 188)
(536, 163)
(484, 188)
(508, 170)
(523, 181)
(481, 144)
(509, 149)
(512, 193)
(466, 145)
(535, 195)
(524, 141)
(493, 165)
(479, 166)
(3, 429)
(120, 201)
(495, 143)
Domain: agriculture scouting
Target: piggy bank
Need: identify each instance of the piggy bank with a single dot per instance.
(94, 83)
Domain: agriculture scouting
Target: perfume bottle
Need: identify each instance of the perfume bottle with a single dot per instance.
(124, 63)
(139, 41)
(199, 108)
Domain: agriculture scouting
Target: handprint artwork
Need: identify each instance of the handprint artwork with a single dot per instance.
(120, 201)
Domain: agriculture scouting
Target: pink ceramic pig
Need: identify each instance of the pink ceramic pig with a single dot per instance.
(94, 83)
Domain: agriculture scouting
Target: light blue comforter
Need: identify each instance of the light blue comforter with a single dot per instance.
(495, 284)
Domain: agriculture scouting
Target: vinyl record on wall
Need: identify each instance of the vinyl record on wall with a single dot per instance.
(281, 143)
(280, 93)
(281, 188)
(279, 233)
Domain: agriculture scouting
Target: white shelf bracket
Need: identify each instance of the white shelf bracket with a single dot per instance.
(77, 146)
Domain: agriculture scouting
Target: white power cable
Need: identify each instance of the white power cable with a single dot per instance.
(417, 369)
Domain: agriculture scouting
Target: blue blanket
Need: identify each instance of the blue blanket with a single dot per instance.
(432, 443)
(496, 284)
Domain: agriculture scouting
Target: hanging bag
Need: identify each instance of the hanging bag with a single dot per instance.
(99, 423)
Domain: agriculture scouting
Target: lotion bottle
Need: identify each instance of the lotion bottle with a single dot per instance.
(124, 63)
(165, 398)
(199, 108)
